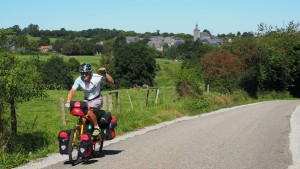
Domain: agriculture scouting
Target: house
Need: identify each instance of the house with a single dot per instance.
(10, 46)
(45, 48)
(158, 42)
(204, 37)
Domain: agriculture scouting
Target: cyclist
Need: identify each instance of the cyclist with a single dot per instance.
(90, 84)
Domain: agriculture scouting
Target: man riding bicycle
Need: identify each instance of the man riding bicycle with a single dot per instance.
(90, 84)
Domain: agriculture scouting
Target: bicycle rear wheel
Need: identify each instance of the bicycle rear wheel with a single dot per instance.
(74, 146)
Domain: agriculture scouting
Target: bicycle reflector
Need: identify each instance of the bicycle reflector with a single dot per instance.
(78, 108)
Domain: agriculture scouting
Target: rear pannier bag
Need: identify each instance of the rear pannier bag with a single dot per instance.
(63, 139)
(86, 145)
(113, 122)
(105, 120)
(108, 134)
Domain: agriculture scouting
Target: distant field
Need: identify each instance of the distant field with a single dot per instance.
(52, 40)
(164, 77)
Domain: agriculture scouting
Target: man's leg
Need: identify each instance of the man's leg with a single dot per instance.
(93, 118)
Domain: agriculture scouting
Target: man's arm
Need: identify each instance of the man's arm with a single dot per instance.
(70, 95)
(109, 79)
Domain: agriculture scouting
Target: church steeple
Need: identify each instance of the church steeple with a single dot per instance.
(196, 33)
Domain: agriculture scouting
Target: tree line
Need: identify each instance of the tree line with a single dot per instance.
(67, 42)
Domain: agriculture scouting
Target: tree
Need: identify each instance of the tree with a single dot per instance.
(87, 47)
(205, 30)
(108, 46)
(19, 81)
(33, 45)
(134, 63)
(44, 41)
(21, 41)
(33, 30)
(119, 42)
(16, 29)
(71, 48)
(57, 74)
(73, 64)
(222, 71)
(3, 37)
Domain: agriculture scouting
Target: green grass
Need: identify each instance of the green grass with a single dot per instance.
(52, 40)
(166, 76)
(81, 59)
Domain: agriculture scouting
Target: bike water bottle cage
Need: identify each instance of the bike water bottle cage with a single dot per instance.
(78, 108)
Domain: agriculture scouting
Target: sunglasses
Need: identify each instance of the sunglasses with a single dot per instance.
(85, 74)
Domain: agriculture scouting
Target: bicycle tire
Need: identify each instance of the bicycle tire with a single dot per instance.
(74, 146)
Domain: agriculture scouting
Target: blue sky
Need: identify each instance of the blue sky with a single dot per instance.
(176, 16)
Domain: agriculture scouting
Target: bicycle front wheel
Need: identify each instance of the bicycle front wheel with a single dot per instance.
(74, 146)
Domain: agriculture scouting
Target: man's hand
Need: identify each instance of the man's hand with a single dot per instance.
(67, 105)
(102, 71)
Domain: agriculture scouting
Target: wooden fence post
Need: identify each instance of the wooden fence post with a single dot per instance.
(63, 112)
(165, 94)
(147, 95)
(118, 101)
(157, 93)
(174, 94)
(109, 102)
(137, 94)
(207, 88)
(104, 103)
(130, 100)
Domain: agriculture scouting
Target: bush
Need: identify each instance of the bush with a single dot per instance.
(57, 73)
(73, 64)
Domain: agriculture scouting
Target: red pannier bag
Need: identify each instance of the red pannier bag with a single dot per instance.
(78, 108)
(86, 145)
(63, 140)
(113, 122)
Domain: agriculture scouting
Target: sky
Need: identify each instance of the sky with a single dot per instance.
(172, 16)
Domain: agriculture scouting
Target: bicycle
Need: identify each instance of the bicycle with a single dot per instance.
(79, 108)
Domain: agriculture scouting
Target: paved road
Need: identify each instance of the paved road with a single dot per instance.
(247, 137)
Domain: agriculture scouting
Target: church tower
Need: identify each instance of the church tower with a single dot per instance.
(196, 33)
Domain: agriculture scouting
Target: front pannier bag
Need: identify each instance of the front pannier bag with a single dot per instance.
(63, 140)
(86, 145)
(78, 108)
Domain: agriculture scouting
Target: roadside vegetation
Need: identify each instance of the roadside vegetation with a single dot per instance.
(192, 78)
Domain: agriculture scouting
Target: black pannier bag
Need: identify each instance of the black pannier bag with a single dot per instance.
(108, 134)
(63, 139)
(104, 120)
(107, 124)
(86, 145)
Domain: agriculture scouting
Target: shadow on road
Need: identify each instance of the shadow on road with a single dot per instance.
(103, 153)
(108, 152)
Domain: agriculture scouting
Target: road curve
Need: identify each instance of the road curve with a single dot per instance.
(252, 136)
